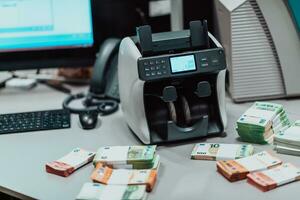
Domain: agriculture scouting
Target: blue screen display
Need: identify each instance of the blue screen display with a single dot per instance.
(183, 63)
(48, 24)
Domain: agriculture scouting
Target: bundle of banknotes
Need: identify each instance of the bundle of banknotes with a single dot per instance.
(70, 162)
(261, 121)
(288, 141)
(127, 166)
(128, 157)
(108, 176)
(96, 191)
(269, 179)
(238, 169)
(217, 151)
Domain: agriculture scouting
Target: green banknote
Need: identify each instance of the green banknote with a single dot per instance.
(134, 157)
(290, 136)
(220, 151)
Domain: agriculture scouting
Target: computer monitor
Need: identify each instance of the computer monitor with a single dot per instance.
(46, 33)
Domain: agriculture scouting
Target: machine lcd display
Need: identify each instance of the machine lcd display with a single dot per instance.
(183, 63)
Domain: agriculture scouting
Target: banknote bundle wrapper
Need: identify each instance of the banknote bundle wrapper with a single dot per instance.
(238, 169)
(106, 175)
(288, 141)
(97, 191)
(269, 179)
(217, 151)
(261, 121)
(70, 162)
(129, 157)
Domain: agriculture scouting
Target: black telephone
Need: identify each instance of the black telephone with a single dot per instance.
(104, 82)
(103, 96)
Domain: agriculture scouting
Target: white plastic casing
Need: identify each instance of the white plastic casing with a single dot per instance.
(132, 90)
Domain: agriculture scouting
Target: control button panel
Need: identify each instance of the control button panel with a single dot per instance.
(209, 60)
(155, 68)
(159, 67)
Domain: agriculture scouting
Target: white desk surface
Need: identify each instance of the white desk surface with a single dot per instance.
(23, 156)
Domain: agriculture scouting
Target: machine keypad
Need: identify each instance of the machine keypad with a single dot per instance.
(155, 68)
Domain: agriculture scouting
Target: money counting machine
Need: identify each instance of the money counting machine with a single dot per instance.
(172, 84)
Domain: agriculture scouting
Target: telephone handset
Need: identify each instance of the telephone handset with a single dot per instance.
(103, 95)
(104, 81)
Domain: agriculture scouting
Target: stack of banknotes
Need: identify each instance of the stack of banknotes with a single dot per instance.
(238, 169)
(262, 170)
(70, 162)
(122, 173)
(96, 191)
(269, 179)
(128, 157)
(108, 176)
(217, 151)
(288, 141)
(261, 121)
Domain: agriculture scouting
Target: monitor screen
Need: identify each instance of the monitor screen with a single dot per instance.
(27, 25)
(183, 63)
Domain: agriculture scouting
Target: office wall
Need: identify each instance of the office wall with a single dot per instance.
(118, 18)
(199, 9)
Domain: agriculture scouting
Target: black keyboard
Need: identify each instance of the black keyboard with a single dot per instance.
(34, 121)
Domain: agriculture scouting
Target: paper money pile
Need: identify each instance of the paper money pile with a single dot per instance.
(69, 163)
(261, 121)
(238, 169)
(122, 172)
(288, 141)
(109, 176)
(95, 191)
(129, 157)
(269, 179)
(216, 151)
